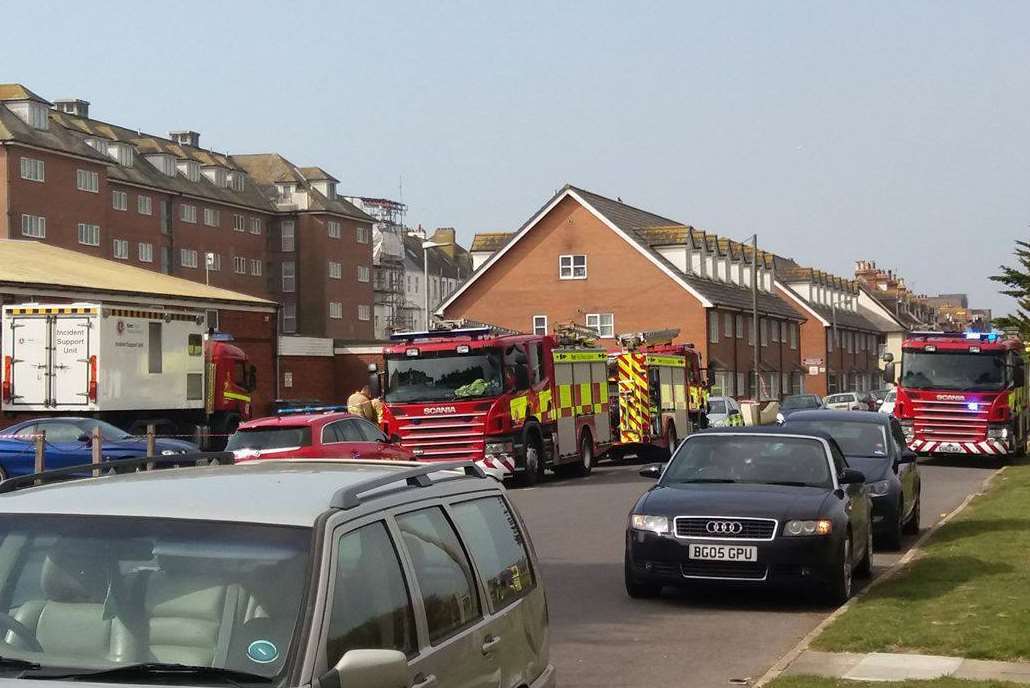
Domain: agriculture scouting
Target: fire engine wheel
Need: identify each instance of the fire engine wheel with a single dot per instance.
(534, 470)
(586, 456)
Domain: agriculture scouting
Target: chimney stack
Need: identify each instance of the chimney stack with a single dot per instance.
(185, 138)
(72, 106)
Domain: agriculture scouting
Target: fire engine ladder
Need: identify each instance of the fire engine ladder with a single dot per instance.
(631, 341)
(464, 324)
(572, 334)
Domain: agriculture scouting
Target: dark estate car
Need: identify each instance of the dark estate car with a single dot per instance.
(798, 402)
(874, 443)
(751, 505)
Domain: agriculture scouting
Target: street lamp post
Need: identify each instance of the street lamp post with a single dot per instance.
(426, 245)
(754, 310)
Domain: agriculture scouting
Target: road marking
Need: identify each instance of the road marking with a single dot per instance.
(786, 660)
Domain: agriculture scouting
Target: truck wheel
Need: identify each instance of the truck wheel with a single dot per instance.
(534, 470)
(586, 456)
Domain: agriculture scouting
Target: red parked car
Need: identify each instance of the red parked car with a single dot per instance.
(314, 436)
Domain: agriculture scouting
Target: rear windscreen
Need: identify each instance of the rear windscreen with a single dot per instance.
(270, 438)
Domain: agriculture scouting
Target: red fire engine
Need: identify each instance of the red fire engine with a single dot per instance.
(514, 403)
(962, 393)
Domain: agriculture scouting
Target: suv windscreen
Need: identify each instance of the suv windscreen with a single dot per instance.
(98, 592)
(742, 459)
(263, 439)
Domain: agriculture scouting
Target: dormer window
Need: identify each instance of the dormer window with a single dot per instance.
(99, 145)
(189, 169)
(216, 175)
(35, 114)
(326, 187)
(237, 180)
(124, 153)
(163, 162)
(285, 192)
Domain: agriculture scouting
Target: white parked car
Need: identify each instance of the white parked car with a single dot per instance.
(724, 411)
(888, 403)
(848, 401)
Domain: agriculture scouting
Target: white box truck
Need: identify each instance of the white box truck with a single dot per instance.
(129, 366)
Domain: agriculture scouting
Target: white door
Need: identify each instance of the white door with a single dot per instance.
(29, 378)
(71, 361)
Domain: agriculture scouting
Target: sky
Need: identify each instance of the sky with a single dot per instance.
(890, 131)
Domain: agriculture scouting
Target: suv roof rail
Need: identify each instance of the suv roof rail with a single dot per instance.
(350, 497)
(90, 470)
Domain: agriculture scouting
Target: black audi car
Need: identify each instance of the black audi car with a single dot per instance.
(751, 506)
(874, 443)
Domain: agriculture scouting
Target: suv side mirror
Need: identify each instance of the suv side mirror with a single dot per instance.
(851, 476)
(908, 456)
(371, 669)
(652, 471)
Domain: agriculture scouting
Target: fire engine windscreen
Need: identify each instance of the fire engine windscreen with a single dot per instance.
(953, 370)
(444, 376)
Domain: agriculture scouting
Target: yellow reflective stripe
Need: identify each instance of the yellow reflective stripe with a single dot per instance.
(564, 396)
(584, 393)
(544, 399)
(237, 397)
(665, 360)
(578, 356)
(517, 407)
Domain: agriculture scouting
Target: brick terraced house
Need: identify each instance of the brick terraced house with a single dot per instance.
(255, 224)
(598, 262)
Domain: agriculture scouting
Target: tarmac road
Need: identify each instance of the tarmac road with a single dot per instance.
(600, 637)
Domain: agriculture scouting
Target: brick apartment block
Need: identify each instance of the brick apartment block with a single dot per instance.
(256, 224)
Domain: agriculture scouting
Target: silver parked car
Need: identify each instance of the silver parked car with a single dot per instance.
(279, 573)
(846, 401)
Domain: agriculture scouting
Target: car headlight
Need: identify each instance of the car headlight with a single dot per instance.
(780, 418)
(168, 452)
(879, 488)
(658, 525)
(800, 528)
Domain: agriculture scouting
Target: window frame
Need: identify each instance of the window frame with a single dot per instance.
(144, 200)
(361, 234)
(188, 213)
(336, 310)
(32, 166)
(33, 226)
(148, 256)
(571, 267)
(115, 243)
(335, 270)
(364, 312)
(713, 326)
(120, 200)
(87, 180)
(93, 232)
(364, 274)
(333, 229)
(599, 325)
(536, 326)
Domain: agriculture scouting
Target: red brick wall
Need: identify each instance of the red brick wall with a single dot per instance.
(329, 380)
(352, 371)
(620, 280)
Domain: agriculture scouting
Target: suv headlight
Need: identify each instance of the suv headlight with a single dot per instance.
(659, 525)
(879, 488)
(800, 528)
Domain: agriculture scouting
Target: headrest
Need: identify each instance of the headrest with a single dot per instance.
(76, 571)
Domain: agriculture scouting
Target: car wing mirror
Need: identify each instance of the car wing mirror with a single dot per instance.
(908, 456)
(371, 669)
(86, 438)
(851, 476)
(395, 438)
(652, 471)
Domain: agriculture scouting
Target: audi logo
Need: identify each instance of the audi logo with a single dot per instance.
(724, 527)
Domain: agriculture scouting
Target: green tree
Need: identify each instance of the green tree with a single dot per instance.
(1017, 283)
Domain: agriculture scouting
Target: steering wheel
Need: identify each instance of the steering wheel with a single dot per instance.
(9, 623)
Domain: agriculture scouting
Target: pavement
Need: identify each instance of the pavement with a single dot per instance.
(880, 666)
(712, 637)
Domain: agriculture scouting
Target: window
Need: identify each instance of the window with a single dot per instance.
(144, 206)
(742, 383)
(211, 217)
(188, 213)
(361, 232)
(289, 275)
(793, 335)
(89, 235)
(335, 310)
(146, 252)
(86, 180)
(32, 169)
(829, 339)
(713, 327)
(443, 572)
(213, 261)
(121, 249)
(765, 331)
(286, 233)
(289, 318)
(727, 322)
(364, 274)
(796, 386)
(371, 606)
(33, 226)
(188, 257)
(539, 324)
(239, 265)
(239, 222)
(783, 331)
(740, 326)
(335, 270)
(603, 323)
(774, 331)
(334, 229)
(364, 311)
(498, 547)
(154, 357)
(119, 200)
(572, 267)
(255, 267)
(255, 225)
(166, 260)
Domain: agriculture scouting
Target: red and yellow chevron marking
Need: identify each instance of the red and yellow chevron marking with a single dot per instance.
(634, 398)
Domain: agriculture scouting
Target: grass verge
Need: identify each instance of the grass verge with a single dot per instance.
(968, 595)
(819, 682)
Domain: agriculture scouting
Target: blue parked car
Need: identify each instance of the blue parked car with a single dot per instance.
(69, 443)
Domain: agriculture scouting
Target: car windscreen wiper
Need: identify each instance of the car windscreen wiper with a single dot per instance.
(788, 483)
(15, 663)
(708, 480)
(158, 672)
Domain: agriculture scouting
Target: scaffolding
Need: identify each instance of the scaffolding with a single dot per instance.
(388, 263)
